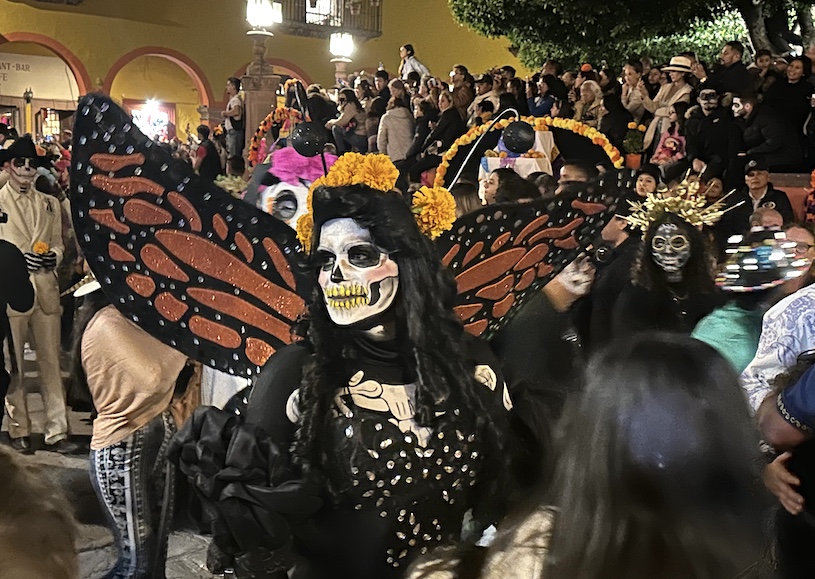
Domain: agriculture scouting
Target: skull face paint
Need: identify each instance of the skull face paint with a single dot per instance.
(286, 201)
(22, 173)
(670, 250)
(359, 281)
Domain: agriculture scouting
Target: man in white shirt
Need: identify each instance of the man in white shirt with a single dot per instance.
(234, 121)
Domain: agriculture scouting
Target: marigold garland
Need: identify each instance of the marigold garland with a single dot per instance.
(277, 117)
(434, 209)
(539, 124)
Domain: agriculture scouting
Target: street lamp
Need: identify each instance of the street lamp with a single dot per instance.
(261, 14)
(341, 46)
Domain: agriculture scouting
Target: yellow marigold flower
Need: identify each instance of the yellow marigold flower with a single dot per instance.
(40, 247)
(642, 128)
(434, 210)
(632, 125)
(305, 229)
(378, 172)
(314, 184)
(344, 171)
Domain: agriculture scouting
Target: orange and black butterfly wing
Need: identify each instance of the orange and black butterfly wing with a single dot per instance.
(201, 271)
(501, 254)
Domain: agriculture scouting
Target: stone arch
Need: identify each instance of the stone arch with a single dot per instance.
(187, 65)
(83, 79)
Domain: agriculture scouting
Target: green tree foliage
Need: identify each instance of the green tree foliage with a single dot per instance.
(575, 31)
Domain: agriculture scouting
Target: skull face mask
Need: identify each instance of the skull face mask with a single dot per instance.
(359, 280)
(670, 250)
(22, 173)
(286, 201)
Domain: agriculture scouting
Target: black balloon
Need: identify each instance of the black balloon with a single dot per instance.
(309, 139)
(519, 137)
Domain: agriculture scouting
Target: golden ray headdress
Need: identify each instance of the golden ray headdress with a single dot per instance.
(683, 199)
(434, 208)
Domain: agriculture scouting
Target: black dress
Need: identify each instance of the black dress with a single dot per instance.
(397, 490)
(673, 310)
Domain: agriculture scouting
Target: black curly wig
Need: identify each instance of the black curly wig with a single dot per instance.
(429, 335)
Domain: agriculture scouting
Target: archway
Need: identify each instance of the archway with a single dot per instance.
(162, 92)
(48, 74)
(181, 60)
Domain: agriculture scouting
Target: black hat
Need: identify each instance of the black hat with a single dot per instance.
(652, 170)
(755, 164)
(484, 78)
(23, 148)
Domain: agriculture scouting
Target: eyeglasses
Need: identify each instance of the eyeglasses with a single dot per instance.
(802, 247)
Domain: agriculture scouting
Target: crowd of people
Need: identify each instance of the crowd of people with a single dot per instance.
(635, 418)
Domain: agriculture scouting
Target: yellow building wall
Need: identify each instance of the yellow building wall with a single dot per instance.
(212, 34)
(152, 77)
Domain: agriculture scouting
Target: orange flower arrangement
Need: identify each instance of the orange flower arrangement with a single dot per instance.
(277, 117)
(40, 247)
(539, 124)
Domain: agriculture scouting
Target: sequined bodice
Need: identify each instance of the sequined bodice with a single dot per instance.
(421, 492)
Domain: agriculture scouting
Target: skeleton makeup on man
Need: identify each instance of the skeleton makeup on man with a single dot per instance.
(708, 100)
(22, 172)
(670, 250)
(359, 281)
(738, 108)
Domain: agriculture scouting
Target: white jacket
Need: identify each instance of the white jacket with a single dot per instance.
(46, 226)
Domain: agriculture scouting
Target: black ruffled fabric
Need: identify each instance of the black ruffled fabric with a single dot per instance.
(252, 499)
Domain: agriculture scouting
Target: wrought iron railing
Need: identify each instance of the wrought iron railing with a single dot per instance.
(321, 18)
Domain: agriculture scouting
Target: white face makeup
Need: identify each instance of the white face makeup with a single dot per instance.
(359, 280)
(670, 249)
(286, 201)
(22, 173)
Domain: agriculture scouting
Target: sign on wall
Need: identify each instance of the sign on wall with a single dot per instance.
(48, 77)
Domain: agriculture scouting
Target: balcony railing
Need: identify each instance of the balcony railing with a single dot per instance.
(321, 18)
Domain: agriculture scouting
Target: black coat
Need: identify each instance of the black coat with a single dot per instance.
(640, 310)
(451, 126)
(715, 140)
(734, 79)
(210, 166)
(615, 126)
(790, 101)
(737, 221)
(770, 136)
(16, 292)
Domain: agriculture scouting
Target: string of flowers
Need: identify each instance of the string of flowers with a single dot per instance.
(540, 124)
(277, 117)
(434, 209)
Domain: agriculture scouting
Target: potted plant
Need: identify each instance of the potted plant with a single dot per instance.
(633, 144)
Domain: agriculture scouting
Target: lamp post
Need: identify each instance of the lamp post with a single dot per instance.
(341, 46)
(260, 83)
(28, 96)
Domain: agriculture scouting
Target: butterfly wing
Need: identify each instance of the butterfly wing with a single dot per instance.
(500, 254)
(201, 271)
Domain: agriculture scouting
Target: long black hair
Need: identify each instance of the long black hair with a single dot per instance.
(658, 475)
(429, 335)
(697, 275)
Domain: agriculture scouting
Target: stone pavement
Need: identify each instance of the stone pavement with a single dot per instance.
(187, 551)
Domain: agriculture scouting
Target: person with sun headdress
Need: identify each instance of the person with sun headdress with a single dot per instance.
(398, 418)
(672, 285)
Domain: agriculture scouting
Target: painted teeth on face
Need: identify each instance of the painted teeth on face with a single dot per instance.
(356, 291)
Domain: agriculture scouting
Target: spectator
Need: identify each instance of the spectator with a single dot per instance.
(504, 185)
(234, 121)
(450, 127)
(557, 87)
(540, 105)
(588, 109)
(381, 78)
(399, 90)
(607, 79)
(575, 171)
(670, 151)
(678, 90)
(207, 161)
(483, 91)
(466, 197)
(410, 63)
(766, 134)
(767, 218)
(463, 93)
(732, 76)
(762, 72)
(546, 184)
(395, 133)
(654, 80)
(648, 178)
(349, 130)
(235, 167)
(712, 139)
(631, 96)
(320, 107)
(614, 120)
(517, 89)
(790, 98)
(484, 112)
(757, 192)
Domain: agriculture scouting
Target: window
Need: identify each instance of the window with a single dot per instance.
(324, 12)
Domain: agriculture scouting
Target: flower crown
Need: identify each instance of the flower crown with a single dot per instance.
(683, 199)
(433, 208)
